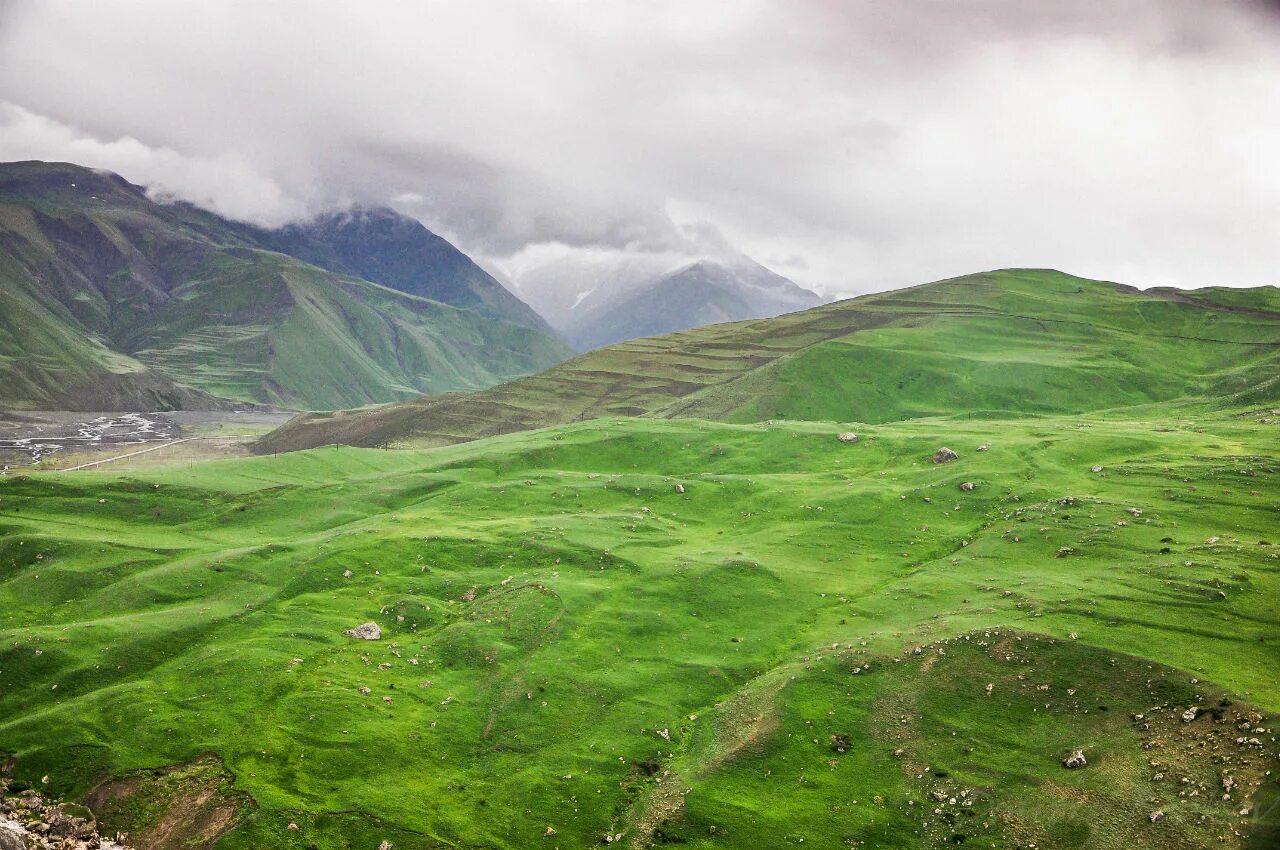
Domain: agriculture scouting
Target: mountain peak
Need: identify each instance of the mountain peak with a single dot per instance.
(398, 251)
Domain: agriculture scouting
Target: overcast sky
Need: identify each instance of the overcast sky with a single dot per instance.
(852, 146)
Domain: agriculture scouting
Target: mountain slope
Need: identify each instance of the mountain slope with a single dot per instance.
(396, 251)
(702, 293)
(173, 306)
(600, 298)
(1005, 343)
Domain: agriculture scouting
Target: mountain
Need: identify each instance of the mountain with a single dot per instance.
(1007, 343)
(600, 300)
(701, 293)
(397, 251)
(112, 300)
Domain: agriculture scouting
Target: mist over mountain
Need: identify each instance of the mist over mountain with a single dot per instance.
(596, 298)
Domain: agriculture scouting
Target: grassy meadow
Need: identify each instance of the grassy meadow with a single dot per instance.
(641, 631)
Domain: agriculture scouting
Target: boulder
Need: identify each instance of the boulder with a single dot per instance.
(1075, 760)
(365, 631)
(968, 486)
(944, 455)
(847, 437)
(13, 837)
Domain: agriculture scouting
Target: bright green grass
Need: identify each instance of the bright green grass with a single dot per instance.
(115, 302)
(1019, 342)
(168, 608)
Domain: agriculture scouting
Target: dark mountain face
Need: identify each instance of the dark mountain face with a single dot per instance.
(110, 298)
(394, 250)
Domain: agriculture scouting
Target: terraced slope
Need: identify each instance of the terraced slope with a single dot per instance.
(665, 632)
(111, 300)
(1013, 342)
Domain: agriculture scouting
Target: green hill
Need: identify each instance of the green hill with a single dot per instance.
(112, 300)
(667, 633)
(1018, 342)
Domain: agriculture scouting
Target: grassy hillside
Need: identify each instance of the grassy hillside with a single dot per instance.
(1005, 343)
(172, 306)
(385, 247)
(667, 632)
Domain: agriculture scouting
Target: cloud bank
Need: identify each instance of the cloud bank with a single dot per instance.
(853, 146)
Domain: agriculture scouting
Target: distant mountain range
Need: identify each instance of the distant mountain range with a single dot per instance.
(597, 302)
(110, 300)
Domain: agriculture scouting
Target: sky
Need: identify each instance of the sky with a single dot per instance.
(852, 146)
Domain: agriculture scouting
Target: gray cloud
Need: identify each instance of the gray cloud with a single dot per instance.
(868, 144)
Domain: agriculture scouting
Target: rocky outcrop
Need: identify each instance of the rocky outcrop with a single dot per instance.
(944, 455)
(365, 631)
(28, 821)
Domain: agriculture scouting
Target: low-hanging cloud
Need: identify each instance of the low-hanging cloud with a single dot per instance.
(856, 145)
(224, 183)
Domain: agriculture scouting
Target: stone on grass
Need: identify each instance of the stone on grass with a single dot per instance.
(365, 631)
(847, 437)
(944, 455)
(1156, 816)
(1075, 760)
(1190, 714)
(968, 486)
(679, 488)
(1065, 551)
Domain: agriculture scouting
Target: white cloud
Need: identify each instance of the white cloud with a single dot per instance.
(224, 183)
(866, 144)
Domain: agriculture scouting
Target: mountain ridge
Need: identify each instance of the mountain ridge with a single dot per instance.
(100, 280)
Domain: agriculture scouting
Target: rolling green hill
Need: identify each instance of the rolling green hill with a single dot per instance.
(1018, 342)
(664, 633)
(112, 301)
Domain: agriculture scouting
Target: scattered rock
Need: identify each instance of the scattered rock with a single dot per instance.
(1075, 760)
(847, 437)
(984, 447)
(1064, 552)
(1156, 816)
(1190, 714)
(679, 488)
(365, 631)
(944, 455)
(346, 573)
(968, 486)
(550, 831)
(1095, 468)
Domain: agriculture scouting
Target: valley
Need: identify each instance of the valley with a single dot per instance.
(670, 632)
